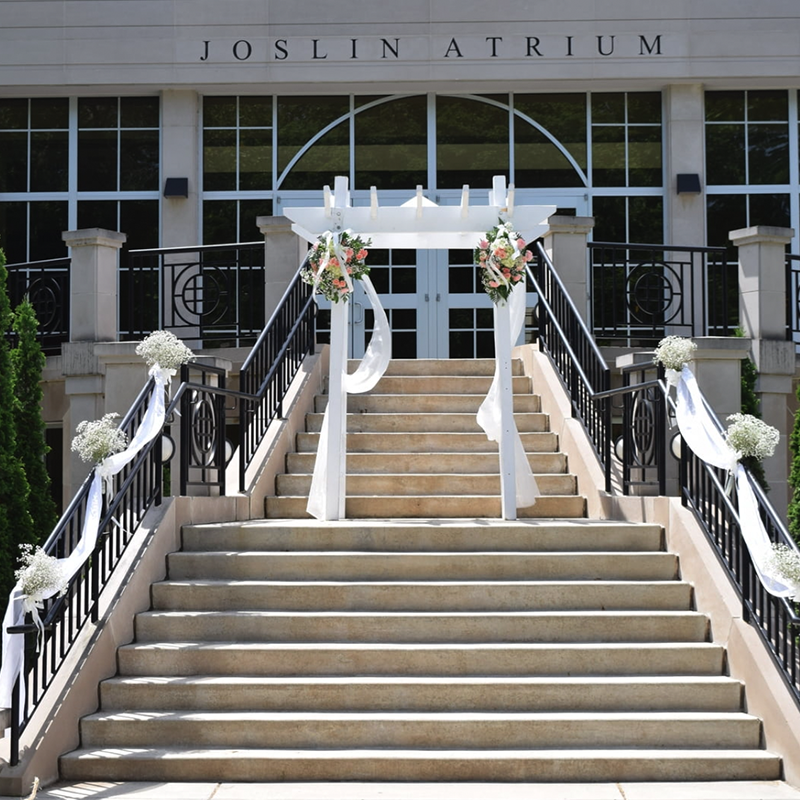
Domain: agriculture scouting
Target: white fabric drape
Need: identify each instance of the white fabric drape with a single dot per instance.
(372, 367)
(489, 416)
(13, 644)
(703, 437)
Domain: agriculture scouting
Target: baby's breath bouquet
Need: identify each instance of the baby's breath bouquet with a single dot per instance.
(40, 576)
(674, 352)
(501, 259)
(330, 258)
(751, 437)
(784, 562)
(95, 441)
(165, 350)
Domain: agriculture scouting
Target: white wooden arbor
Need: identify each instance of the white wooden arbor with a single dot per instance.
(416, 224)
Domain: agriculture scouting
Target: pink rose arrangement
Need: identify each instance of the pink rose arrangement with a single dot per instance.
(501, 259)
(334, 262)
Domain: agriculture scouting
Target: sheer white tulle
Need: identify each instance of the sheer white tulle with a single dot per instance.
(151, 425)
(489, 414)
(372, 367)
(700, 432)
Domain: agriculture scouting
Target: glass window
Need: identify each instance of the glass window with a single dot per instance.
(472, 142)
(629, 219)
(391, 145)
(626, 139)
(747, 138)
(226, 221)
(237, 143)
(537, 161)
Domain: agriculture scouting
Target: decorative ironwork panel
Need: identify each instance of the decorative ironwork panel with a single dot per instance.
(47, 285)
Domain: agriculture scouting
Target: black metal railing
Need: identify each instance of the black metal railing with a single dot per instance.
(565, 337)
(47, 285)
(210, 294)
(203, 458)
(272, 365)
(792, 298)
(703, 489)
(641, 292)
(135, 489)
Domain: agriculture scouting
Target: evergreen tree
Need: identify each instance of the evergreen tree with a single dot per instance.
(27, 362)
(793, 512)
(16, 525)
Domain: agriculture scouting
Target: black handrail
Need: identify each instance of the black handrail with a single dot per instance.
(139, 486)
(565, 337)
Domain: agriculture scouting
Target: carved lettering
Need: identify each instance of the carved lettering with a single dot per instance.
(204, 57)
(494, 40)
(453, 48)
(316, 54)
(569, 45)
(281, 53)
(353, 46)
(238, 50)
(600, 46)
(395, 51)
(656, 46)
(533, 45)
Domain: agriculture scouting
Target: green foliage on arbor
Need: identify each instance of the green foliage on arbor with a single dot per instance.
(28, 361)
(16, 525)
(751, 405)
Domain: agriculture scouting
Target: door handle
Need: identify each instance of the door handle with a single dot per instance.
(358, 320)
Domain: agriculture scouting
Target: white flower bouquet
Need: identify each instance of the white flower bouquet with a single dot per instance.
(330, 259)
(95, 441)
(751, 437)
(674, 352)
(164, 349)
(40, 575)
(784, 563)
(501, 258)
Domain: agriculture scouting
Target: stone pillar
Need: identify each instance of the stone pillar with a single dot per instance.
(685, 137)
(762, 309)
(181, 159)
(284, 252)
(717, 366)
(565, 243)
(93, 279)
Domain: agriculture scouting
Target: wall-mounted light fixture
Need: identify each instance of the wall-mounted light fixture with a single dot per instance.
(176, 187)
(688, 183)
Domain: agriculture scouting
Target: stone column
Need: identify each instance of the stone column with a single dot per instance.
(284, 252)
(762, 309)
(181, 159)
(717, 366)
(93, 283)
(565, 243)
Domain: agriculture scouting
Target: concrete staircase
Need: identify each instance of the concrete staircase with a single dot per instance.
(451, 648)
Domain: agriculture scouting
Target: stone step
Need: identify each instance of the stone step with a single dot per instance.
(561, 536)
(516, 694)
(217, 595)
(429, 463)
(405, 422)
(407, 729)
(180, 656)
(426, 403)
(405, 485)
(397, 627)
(478, 507)
(514, 765)
(538, 442)
(443, 366)
(428, 566)
(445, 384)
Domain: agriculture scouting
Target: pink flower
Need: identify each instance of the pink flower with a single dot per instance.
(333, 262)
(349, 253)
(482, 257)
(483, 244)
(362, 254)
(515, 278)
(528, 255)
(493, 284)
(500, 252)
(520, 243)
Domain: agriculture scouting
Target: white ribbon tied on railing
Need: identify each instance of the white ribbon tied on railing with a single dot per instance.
(13, 644)
(701, 434)
(489, 416)
(370, 370)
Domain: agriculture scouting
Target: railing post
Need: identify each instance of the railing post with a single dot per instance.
(502, 343)
(565, 243)
(762, 306)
